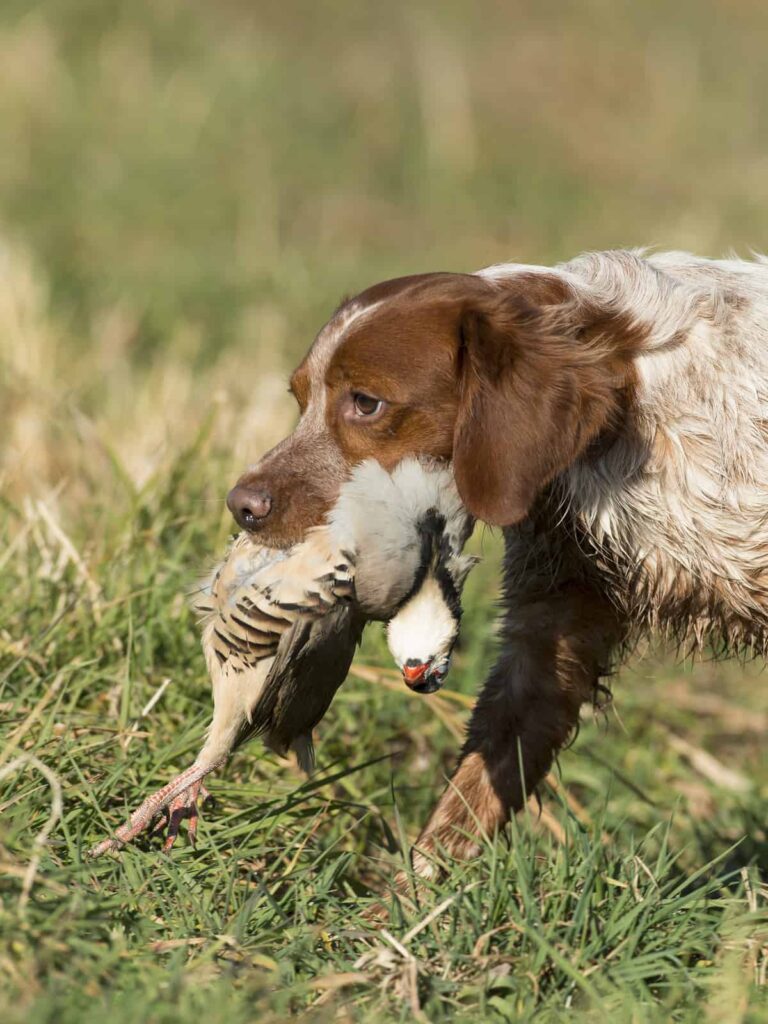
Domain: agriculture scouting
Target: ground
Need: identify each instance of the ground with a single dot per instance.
(187, 194)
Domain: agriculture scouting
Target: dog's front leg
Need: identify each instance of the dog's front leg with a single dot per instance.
(556, 644)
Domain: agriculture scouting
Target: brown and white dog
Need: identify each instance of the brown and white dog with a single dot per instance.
(611, 413)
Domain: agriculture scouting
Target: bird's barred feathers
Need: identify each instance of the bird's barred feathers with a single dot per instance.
(256, 594)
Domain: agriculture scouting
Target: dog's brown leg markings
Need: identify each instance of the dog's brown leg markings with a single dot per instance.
(557, 640)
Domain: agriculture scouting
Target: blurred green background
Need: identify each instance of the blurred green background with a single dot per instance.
(187, 189)
(194, 161)
(197, 179)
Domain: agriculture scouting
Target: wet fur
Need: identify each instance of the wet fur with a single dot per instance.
(610, 413)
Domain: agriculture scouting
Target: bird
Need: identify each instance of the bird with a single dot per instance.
(280, 626)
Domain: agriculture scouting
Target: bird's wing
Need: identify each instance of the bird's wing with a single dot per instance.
(279, 631)
(258, 593)
(308, 579)
(312, 662)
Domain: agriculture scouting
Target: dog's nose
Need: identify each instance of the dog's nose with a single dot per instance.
(249, 506)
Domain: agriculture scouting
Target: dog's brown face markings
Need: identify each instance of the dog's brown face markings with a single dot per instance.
(443, 365)
(379, 381)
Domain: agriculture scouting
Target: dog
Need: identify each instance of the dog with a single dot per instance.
(611, 415)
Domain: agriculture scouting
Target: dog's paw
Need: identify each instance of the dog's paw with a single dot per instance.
(404, 891)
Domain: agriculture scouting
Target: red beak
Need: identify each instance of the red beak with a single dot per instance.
(414, 674)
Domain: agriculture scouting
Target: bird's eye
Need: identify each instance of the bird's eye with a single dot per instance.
(366, 405)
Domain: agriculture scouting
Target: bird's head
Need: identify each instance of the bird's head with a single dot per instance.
(421, 637)
(422, 634)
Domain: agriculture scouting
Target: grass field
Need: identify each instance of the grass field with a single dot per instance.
(186, 191)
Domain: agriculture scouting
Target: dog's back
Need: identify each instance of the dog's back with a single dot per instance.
(676, 507)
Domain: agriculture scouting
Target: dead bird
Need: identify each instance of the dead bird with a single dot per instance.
(280, 627)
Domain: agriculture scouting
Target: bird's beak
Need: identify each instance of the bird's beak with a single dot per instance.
(421, 678)
(414, 674)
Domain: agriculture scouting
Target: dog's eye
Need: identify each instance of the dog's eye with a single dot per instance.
(366, 405)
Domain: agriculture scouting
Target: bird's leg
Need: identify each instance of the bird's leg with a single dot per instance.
(179, 795)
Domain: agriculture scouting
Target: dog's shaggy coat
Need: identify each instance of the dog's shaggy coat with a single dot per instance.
(611, 414)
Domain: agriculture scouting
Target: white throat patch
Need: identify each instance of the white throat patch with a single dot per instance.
(424, 629)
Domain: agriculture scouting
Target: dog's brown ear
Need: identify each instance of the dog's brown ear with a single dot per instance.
(530, 400)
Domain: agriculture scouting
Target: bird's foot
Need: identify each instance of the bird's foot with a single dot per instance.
(179, 800)
(185, 805)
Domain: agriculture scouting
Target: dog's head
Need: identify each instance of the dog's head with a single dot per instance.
(509, 379)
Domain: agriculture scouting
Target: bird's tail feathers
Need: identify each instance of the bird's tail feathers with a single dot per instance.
(304, 749)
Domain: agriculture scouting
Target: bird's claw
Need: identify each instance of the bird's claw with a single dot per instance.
(145, 818)
(184, 806)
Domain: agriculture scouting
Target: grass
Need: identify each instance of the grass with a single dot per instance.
(636, 895)
(187, 192)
